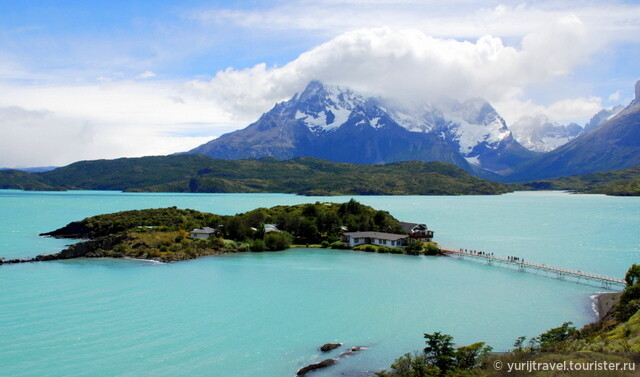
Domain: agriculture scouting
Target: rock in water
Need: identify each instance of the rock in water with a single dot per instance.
(329, 346)
(352, 350)
(312, 367)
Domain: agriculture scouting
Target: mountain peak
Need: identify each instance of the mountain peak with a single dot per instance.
(314, 88)
(334, 122)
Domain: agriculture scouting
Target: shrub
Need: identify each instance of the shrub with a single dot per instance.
(229, 245)
(258, 245)
(339, 245)
(243, 246)
(325, 244)
(277, 241)
(369, 248)
(396, 250)
(383, 249)
(414, 248)
(432, 249)
(216, 243)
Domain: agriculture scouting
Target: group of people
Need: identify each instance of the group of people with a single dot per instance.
(515, 259)
(474, 252)
(490, 255)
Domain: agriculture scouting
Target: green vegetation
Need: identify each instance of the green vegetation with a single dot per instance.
(624, 182)
(614, 339)
(414, 248)
(163, 233)
(20, 180)
(441, 358)
(160, 219)
(306, 176)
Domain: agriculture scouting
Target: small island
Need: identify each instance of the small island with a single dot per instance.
(172, 234)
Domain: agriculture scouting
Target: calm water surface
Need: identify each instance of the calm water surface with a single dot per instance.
(265, 314)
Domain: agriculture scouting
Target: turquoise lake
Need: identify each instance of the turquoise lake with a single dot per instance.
(265, 314)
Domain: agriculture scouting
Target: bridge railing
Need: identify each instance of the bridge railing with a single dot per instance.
(560, 272)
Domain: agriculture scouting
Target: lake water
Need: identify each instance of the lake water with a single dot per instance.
(265, 314)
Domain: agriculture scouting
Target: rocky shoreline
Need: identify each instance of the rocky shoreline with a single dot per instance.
(87, 249)
(604, 304)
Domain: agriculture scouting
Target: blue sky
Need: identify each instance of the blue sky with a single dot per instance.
(106, 79)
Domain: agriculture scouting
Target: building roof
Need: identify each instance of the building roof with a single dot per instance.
(409, 227)
(205, 230)
(377, 235)
(268, 228)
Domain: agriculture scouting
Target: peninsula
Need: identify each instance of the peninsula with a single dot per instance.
(172, 234)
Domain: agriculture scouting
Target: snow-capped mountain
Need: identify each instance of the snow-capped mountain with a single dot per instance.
(324, 108)
(601, 117)
(538, 133)
(613, 145)
(341, 125)
(474, 128)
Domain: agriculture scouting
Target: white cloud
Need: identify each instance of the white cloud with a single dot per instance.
(146, 75)
(575, 108)
(407, 64)
(578, 110)
(457, 19)
(122, 102)
(53, 125)
(614, 97)
(500, 52)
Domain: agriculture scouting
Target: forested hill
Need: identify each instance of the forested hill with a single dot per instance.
(307, 176)
(625, 182)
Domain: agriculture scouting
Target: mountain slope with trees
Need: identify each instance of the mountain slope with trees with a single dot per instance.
(625, 182)
(307, 176)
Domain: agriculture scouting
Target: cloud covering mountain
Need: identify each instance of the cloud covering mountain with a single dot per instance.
(341, 125)
(176, 74)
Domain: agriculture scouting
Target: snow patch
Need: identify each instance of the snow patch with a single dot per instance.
(469, 135)
(473, 160)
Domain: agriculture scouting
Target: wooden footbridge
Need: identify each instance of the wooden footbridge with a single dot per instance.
(524, 266)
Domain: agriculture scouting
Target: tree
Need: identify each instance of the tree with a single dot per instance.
(533, 344)
(628, 304)
(277, 241)
(472, 356)
(633, 275)
(310, 210)
(440, 351)
(556, 335)
(352, 207)
(414, 247)
(379, 220)
(518, 343)
(410, 366)
(307, 231)
(236, 229)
